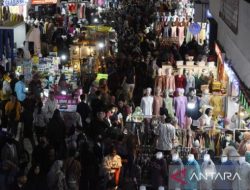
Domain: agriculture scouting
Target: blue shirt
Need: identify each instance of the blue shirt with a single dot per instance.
(20, 90)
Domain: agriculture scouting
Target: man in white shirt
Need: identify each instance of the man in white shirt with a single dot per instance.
(165, 136)
(50, 105)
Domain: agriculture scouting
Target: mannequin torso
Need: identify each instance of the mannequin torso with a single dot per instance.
(180, 81)
(180, 104)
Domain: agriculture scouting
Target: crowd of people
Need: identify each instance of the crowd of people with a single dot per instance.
(100, 150)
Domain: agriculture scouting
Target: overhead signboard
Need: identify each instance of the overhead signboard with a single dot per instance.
(42, 2)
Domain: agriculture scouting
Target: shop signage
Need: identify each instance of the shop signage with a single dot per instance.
(229, 13)
(39, 2)
(14, 2)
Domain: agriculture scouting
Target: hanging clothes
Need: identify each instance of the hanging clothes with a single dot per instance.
(194, 111)
(147, 105)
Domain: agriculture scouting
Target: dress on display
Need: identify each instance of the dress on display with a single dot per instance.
(180, 104)
(216, 102)
(147, 105)
(166, 32)
(173, 31)
(168, 104)
(194, 112)
(190, 83)
(169, 83)
(202, 34)
(180, 81)
(159, 82)
(157, 104)
(181, 34)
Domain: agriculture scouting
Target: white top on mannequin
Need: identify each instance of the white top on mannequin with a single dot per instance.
(224, 159)
(142, 187)
(161, 188)
(147, 103)
(191, 158)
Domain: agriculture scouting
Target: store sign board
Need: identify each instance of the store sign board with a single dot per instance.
(39, 2)
(14, 2)
(229, 13)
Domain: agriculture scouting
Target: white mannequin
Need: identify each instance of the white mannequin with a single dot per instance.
(224, 159)
(175, 157)
(161, 188)
(206, 158)
(242, 159)
(191, 158)
(159, 155)
(142, 187)
(205, 98)
(147, 103)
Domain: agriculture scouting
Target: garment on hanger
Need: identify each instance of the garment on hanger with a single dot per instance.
(173, 31)
(180, 104)
(180, 81)
(169, 83)
(216, 102)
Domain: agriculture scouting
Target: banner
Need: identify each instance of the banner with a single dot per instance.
(39, 2)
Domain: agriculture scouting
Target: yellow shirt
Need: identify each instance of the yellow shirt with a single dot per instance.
(10, 106)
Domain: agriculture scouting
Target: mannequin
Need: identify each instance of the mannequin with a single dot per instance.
(180, 80)
(217, 102)
(147, 103)
(180, 104)
(159, 79)
(225, 166)
(166, 30)
(243, 169)
(205, 98)
(208, 169)
(181, 35)
(158, 102)
(158, 170)
(173, 30)
(193, 105)
(193, 167)
(168, 103)
(190, 81)
(176, 164)
(169, 82)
